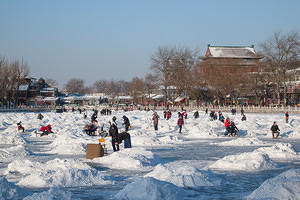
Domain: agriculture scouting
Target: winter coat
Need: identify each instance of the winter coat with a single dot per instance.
(126, 121)
(155, 119)
(180, 122)
(227, 123)
(46, 129)
(113, 131)
(275, 128)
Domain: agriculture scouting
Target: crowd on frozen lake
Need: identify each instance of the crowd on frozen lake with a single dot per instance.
(168, 159)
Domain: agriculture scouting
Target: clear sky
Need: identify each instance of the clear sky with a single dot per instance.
(93, 40)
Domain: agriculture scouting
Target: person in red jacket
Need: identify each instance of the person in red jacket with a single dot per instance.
(227, 125)
(180, 123)
(46, 130)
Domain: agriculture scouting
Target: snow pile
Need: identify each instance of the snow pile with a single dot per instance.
(11, 138)
(129, 159)
(245, 161)
(151, 189)
(280, 151)
(51, 194)
(56, 172)
(9, 190)
(182, 174)
(284, 186)
(242, 142)
(13, 153)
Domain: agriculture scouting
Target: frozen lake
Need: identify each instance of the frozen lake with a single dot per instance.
(201, 162)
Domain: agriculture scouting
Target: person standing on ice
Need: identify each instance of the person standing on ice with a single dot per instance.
(20, 127)
(113, 132)
(287, 117)
(155, 121)
(196, 114)
(180, 123)
(275, 130)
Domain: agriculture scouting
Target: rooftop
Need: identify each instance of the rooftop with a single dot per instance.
(231, 52)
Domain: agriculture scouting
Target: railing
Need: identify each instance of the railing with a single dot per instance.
(247, 109)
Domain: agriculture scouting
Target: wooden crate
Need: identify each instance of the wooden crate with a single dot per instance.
(94, 151)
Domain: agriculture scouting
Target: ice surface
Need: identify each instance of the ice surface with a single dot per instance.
(10, 191)
(284, 186)
(56, 172)
(151, 189)
(52, 194)
(184, 174)
(242, 142)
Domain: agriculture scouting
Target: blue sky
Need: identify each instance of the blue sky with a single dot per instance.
(95, 40)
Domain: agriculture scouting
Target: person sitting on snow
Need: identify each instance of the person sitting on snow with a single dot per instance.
(20, 127)
(227, 126)
(196, 114)
(244, 118)
(233, 129)
(46, 130)
(275, 130)
(221, 117)
(91, 129)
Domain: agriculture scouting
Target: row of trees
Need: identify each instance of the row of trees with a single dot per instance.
(12, 75)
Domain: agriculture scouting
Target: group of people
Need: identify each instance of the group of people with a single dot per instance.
(116, 137)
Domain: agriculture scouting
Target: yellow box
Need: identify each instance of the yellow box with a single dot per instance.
(101, 140)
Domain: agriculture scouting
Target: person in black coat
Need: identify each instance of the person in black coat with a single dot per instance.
(94, 117)
(113, 132)
(275, 130)
(196, 114)
(126, 123)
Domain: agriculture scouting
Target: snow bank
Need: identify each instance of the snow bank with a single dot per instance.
(51, 194)
(245, 161)
(284, 186)
(151, 189)
(280, 151)
(242, 142)
(182, 174)
(129, 159)
(56, 172)
(13, 153)
(10, 191)
(11, 138)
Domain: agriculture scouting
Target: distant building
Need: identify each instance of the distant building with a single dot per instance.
(241, 56)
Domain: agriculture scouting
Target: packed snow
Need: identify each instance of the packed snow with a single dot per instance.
(199, 163)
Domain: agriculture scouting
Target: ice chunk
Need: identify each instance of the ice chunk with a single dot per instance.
(51, 194)
(151, 189)
(284, 186)
(183, 174)
(245, 161)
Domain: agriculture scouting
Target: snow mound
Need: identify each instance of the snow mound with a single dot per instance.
(182, 174)
(245, 162)
(9, 190)
(284, 186)
(56, 172)
(51, 194)
(169, 139)
(150, 189)
(11, 138)
(280, 151)
(242, 142)
(129, 159)
(12, 153)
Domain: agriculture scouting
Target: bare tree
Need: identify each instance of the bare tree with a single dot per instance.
(282, 53)
(75, 85)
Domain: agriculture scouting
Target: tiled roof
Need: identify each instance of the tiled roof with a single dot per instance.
(230, 52)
